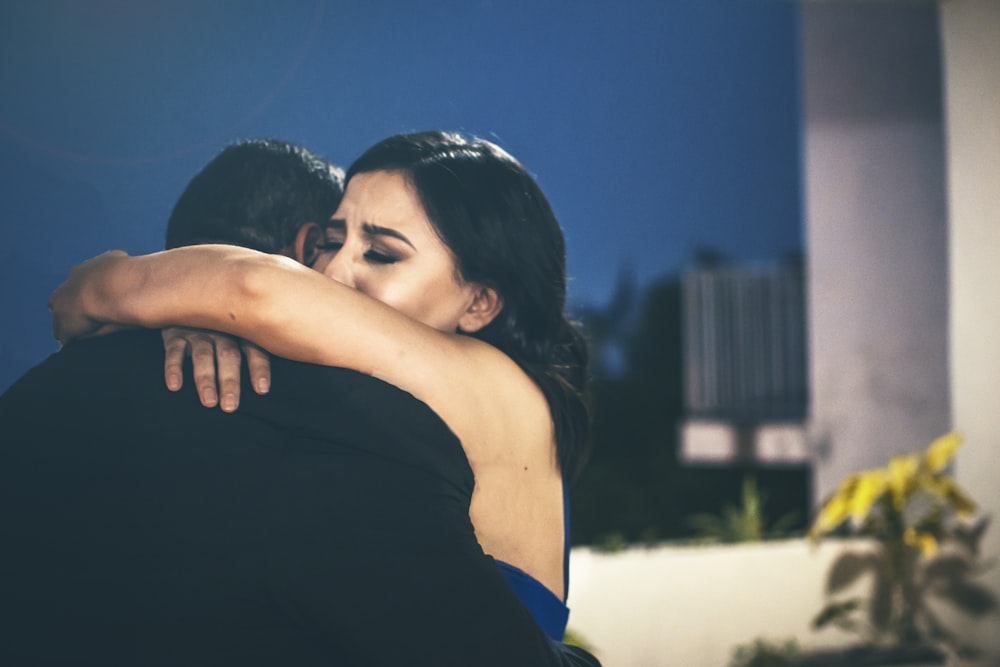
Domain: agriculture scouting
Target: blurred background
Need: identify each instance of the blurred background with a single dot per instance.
(780, 230)
(666, 135)
(654, 128)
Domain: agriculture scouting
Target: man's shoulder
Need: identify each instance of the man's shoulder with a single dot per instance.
(91, 360)
(117, 379)
(139, 352)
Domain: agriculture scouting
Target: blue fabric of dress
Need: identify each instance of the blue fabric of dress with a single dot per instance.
(549, 611)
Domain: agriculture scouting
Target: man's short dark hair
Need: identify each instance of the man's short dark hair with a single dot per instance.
(256, 194)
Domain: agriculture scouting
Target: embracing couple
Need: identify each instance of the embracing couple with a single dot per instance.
(388, 489)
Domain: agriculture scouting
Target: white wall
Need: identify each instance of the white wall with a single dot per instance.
(687, 606)
(971, 39)
(690, 606)
(876, 234)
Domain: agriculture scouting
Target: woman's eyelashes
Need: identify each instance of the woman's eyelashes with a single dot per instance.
(379, 257)
(373, 254)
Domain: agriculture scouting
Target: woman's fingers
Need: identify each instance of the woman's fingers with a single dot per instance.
(203, 362)
(175, 346)
(215, 359)
(259, 364)
(228, 358)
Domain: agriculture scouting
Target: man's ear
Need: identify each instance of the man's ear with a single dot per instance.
(486, 305)
(307, 242)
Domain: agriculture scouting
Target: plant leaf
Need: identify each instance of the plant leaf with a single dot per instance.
(953, 495)
(969, 535)
(847, 569)
(834, 612)
(936, 630)
(948, 569)
(880, 605)
(707, 527)
(974, 535)
(783, 525)
(970, 597)
(901, 479)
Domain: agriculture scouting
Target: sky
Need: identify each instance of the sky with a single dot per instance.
(653, 126)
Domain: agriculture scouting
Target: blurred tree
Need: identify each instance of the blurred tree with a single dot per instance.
(635, 488)
(626, 488)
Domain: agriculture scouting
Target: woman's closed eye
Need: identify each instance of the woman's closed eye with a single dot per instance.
(379, 257)
(372, 254)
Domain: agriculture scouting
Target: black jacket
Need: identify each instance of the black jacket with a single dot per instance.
(324, 524)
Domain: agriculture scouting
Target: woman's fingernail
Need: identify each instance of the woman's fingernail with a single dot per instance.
(263, 386)
(228, 402)
(173, 382)
(209, 397)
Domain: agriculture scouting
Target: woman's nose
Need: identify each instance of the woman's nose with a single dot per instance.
(340, 268)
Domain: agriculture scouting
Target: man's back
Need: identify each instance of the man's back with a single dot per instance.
(326, 523)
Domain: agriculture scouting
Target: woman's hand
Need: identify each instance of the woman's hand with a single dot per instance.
(216, 360)
(69, 304)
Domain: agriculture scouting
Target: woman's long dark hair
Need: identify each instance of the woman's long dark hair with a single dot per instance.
(493, 217)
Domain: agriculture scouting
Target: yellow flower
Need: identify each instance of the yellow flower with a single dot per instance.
(948, 491)
(941, 451)
(869, 488)
(903, 478)
(832, 515)
(836, 509)
(926, 541)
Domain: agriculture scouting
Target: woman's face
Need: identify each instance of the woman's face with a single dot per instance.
(381, 243)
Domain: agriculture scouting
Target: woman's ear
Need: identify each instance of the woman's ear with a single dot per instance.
(486, 305)
(307, 242)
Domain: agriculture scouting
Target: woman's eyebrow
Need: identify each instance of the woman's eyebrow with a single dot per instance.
(335, 223)
(340, 225)
(375, 230)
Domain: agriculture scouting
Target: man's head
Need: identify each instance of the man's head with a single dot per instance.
(256, 194)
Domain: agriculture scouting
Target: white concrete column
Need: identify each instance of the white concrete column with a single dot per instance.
(971, 43)
(875, 215)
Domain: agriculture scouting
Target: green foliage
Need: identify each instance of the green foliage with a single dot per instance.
(612, 542)
(574, 638)
(903, 580)
(746, 523)
(766, 653)
(926, 546)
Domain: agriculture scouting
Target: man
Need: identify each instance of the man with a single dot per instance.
(321, 524)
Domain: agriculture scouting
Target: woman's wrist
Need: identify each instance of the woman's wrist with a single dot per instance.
(86, 301)
(109, 296)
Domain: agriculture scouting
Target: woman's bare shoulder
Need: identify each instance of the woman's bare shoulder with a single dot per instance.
(499, 413)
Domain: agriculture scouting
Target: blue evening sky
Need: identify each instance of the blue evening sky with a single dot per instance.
(654, 126)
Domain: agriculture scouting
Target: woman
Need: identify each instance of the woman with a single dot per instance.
(448, 270)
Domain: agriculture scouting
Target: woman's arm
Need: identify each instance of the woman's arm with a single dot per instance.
(289, 310)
